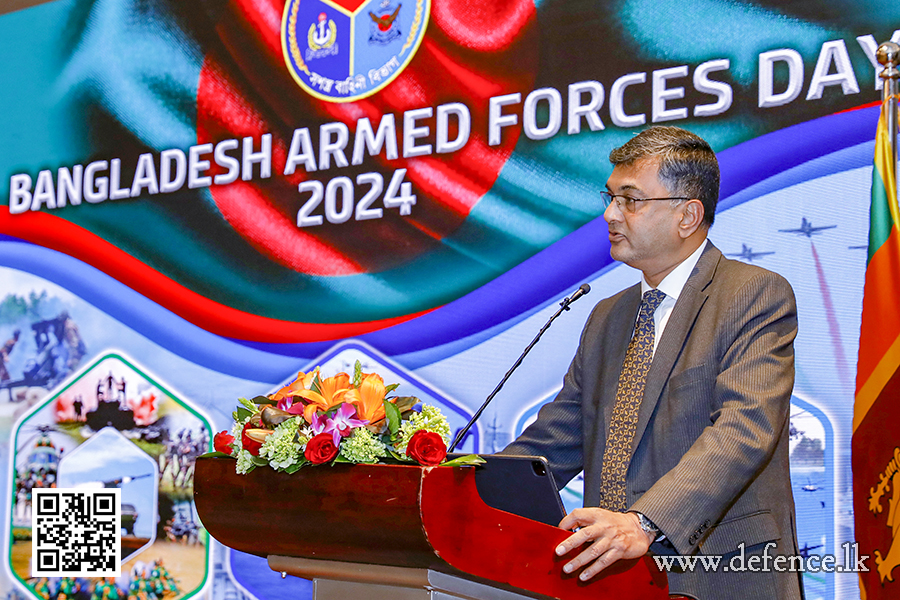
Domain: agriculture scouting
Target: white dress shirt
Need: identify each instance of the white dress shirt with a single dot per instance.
(671, 286)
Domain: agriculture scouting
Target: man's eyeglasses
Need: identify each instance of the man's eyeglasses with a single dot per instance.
(627, 203)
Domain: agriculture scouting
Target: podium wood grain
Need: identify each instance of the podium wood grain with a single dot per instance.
(402, 516)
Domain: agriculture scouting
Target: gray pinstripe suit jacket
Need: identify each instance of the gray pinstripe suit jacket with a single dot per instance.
(710, 458)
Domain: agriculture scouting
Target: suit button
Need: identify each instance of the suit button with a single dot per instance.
(706, 524)
(693, 539)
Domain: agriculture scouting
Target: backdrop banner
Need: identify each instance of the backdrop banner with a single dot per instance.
(200, 199)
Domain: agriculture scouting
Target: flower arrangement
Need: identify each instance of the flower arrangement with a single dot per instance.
(339, 419)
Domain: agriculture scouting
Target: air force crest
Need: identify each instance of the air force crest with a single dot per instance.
(344, 50)
(384, 27)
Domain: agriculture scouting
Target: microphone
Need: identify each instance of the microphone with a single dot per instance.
(581, 291)
(564, 305)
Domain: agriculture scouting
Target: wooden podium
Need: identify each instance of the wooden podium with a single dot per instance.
(398, 532)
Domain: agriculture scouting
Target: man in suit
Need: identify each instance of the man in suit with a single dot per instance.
(676, 405)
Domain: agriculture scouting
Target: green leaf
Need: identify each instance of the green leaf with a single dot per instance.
(357, 374)
(263, 400)
(400, 457)
(242, 414)
(295, 467)
(469, 460)
(331, 411)
(392, 413)
(215, 454)
(316, 385)
(340, 458)
(247, 404)
(390, 388)
(259, 461)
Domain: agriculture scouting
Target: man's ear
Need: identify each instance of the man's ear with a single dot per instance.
(691, 217)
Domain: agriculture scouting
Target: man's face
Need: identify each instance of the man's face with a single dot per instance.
(648, 238)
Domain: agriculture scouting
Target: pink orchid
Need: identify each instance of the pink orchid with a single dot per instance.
(288, 404)
(340, 425)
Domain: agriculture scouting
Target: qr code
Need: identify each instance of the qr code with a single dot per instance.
(76, 533)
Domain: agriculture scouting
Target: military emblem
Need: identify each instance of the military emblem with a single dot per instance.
(321, 38)
(344, 50)
(383, 29)
(889, 479)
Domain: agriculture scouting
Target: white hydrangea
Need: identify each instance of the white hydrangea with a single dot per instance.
(430, 419)
(244, 462)
(362, 447)
(282, 448)
(236, 431)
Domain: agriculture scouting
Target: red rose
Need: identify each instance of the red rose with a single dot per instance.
(222, 442)
(248, 443)
(321, 449)
(427, 448)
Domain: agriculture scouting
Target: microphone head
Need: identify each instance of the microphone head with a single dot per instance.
(585, 288)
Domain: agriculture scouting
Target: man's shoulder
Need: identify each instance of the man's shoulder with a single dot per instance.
(630, 294)
(737, 281)
(742, 271)
(613, 307)
(736, 273)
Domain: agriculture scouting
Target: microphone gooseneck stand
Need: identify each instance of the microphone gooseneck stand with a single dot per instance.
(564, 305)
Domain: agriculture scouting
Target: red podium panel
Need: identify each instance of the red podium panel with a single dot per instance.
(401, 516)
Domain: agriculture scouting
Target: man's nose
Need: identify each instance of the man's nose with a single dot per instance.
(612, 212)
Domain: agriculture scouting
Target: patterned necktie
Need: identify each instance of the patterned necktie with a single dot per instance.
(629, 394)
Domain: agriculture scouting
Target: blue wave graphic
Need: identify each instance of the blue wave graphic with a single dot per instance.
(774, 161)
(144, 316)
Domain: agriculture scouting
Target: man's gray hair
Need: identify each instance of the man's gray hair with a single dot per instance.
(687, 165)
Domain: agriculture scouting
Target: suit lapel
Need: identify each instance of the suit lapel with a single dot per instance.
(688, 306)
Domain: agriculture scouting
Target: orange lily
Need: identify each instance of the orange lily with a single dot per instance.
(333, 391)
(302, 382)
(368, 398)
